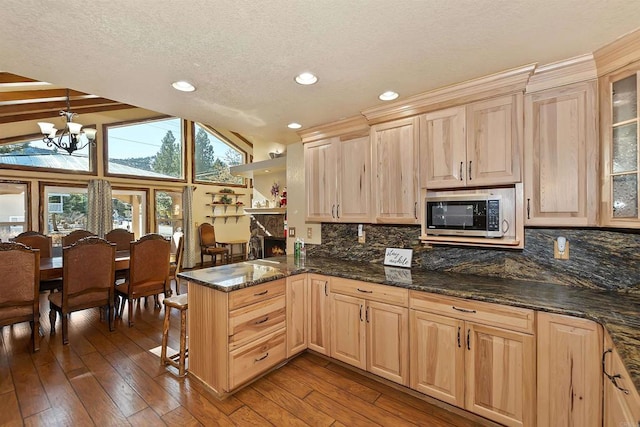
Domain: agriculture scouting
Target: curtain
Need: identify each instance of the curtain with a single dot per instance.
(189, 257)
(99, 207)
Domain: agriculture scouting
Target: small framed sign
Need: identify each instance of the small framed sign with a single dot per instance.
(398, 257)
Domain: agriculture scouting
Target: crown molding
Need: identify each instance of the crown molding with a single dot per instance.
(349, 128)
(573, 70)
(620, 52)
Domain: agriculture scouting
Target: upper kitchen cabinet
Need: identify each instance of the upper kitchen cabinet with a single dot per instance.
(618, 66)
(473, 146)
(561, 145)
(338, 172)
(395, 154)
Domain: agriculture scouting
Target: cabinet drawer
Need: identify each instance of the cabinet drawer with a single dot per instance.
(256, 293)
(370, 291)
(249, 361)
(503, 316)
(252, 321)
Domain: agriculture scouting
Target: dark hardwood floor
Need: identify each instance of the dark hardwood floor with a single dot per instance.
(111, 378)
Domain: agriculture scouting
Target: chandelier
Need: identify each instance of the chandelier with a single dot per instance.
(69, 138)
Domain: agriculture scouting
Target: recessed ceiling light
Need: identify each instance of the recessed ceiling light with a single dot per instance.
(306, 78)
(183, 86)
(294, 125)
(388, 95)
(267, 171)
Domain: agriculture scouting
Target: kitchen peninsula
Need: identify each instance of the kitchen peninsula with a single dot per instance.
(242, 321)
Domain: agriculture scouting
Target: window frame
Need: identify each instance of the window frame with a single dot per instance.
(105, 149)
(28, 220)
(42, 190)
(93, 161)
(155, 211)
(224, 140)
(147, 201)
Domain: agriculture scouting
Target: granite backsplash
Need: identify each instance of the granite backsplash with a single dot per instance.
(599, 259)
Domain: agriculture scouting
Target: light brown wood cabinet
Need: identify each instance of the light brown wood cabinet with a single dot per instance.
(236, 336)
(297, 314)
(473, 146)
(569, 371)
(318, 323)
(455, 346)
(561, 156)
(396, 170)
(337, 179)
(621, 399)
(619, 106)
(368, 329)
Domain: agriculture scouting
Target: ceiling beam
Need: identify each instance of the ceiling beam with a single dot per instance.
(28, 96)
(47, 114)
(53, 106)
(12, 79)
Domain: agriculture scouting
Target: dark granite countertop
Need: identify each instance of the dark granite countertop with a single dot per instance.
(619, 313)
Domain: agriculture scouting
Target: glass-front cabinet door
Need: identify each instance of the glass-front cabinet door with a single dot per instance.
(620, 155)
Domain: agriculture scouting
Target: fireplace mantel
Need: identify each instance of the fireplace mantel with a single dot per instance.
(266, 211)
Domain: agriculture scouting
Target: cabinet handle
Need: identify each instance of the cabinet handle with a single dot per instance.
(528, 208)
(364, 291)
(461, 177)
(468, 339)
(333, 209)
(464, 310)
(259, 294)
(262, 321)
(338, 211)
(458, 336)
(470, 161)
(612, 378)
(366, 314)
(415, 210)
(262, 358)
(361, 312)
(326, 294)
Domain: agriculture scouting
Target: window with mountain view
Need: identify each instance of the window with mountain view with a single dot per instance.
(213, 155)
(32, 153)
(151, 149)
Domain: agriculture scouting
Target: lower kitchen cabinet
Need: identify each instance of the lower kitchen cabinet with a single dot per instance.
(297, 317)
(463, 354)
(318, 313)
(569, 365)
(621, 399)
(368, 333)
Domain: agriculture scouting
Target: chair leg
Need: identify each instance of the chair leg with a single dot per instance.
(65, 328)
(130, 302)
(177, 286)
(52, 321)
(183, 341)
(110, 316)
(35, 335)
(165, 336)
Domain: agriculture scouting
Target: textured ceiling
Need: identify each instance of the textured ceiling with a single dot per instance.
(242, 55)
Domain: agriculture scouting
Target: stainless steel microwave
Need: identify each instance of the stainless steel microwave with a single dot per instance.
(475, 215)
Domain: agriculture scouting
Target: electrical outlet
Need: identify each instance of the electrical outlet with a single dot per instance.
(309, 232)
(557, 253)
(292, 232)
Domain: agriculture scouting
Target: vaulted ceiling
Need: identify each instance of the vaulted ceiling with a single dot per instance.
(22, 98)
(242, 55)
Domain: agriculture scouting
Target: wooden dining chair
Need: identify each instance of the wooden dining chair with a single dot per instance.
(121, 237)
(208, 244)
(88, 281)
(148, 272)
(19, 287)
(176, 267)
(74, 236)
(43, 243)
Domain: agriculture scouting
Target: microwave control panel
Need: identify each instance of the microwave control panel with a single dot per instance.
(493, 215)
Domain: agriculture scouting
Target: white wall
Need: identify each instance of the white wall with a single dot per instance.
(296, 200)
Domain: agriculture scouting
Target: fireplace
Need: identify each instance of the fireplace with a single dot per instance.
(267, 236)
(274, 246)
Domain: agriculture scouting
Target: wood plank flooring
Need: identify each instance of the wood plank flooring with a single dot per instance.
(112, 379)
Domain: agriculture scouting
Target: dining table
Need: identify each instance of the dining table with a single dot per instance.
(51, 268)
